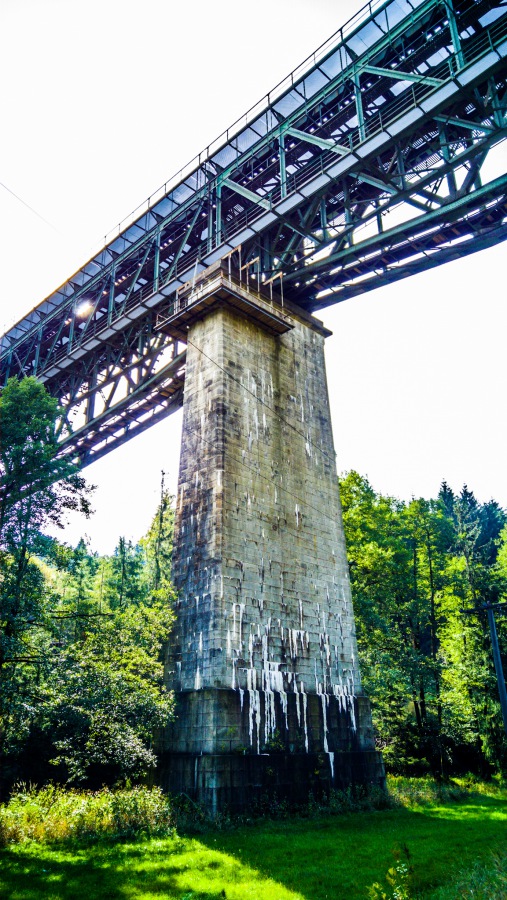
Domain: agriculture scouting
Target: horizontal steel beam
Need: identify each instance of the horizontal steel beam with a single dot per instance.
(402, 76)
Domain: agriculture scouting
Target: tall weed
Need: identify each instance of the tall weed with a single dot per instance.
(485, 881)
(54, 813)
(424, 791)
(398, 878)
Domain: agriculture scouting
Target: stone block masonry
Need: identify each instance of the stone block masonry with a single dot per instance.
(263, 656)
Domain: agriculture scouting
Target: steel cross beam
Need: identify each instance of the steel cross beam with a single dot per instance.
(362, 167)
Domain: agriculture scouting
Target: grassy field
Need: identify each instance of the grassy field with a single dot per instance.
(322, 858)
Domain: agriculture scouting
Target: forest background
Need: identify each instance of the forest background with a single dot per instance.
(81, 634)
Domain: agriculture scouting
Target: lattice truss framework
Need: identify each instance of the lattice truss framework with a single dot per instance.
(365, 166)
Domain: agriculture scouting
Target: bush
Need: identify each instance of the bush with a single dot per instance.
(359, 799)
(421, 791)
(53, 814)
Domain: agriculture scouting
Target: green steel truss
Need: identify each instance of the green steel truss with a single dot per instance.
(364, 166)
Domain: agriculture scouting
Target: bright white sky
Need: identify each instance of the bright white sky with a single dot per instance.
(102, 101)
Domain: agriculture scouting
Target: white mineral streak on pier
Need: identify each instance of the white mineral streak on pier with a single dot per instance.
(241, 613)
(264, 654)
(256, 649)
(331, 764)
(325, 701)
(304, 701)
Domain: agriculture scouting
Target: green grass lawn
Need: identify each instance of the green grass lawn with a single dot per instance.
(334, 857)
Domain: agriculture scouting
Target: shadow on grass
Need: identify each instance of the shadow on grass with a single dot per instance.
(340, 857)
(176, 869)
(91, 876)
(24, 876)
(329, 858)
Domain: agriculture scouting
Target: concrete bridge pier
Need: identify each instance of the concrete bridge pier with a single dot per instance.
(263, 657)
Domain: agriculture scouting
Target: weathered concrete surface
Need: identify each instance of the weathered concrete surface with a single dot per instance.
(263, 655)
(235, 782)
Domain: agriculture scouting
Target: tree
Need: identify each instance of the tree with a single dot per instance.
(123, 575)
(380, 561)
(426, 666)
(81, 638)
(38, 486)
(474, 576)
(104, 699)
(501, 560)
(158, 543)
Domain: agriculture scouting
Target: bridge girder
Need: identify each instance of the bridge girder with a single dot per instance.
(364, 167)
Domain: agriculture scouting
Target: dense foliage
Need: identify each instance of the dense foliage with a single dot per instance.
(81, 637)
(416, 568)
(92, 695)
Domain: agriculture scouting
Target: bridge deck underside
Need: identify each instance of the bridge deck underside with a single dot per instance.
(367, 165)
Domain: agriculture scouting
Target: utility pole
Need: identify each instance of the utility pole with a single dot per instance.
(489, 609)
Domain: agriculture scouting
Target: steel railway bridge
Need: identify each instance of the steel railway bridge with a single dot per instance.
(366, 165)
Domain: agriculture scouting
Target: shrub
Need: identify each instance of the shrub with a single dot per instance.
(53, 814)
(420, 791)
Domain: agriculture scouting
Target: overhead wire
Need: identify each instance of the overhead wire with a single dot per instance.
(281, 487)
(34, 211)
(278, 415)
(282, 419)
